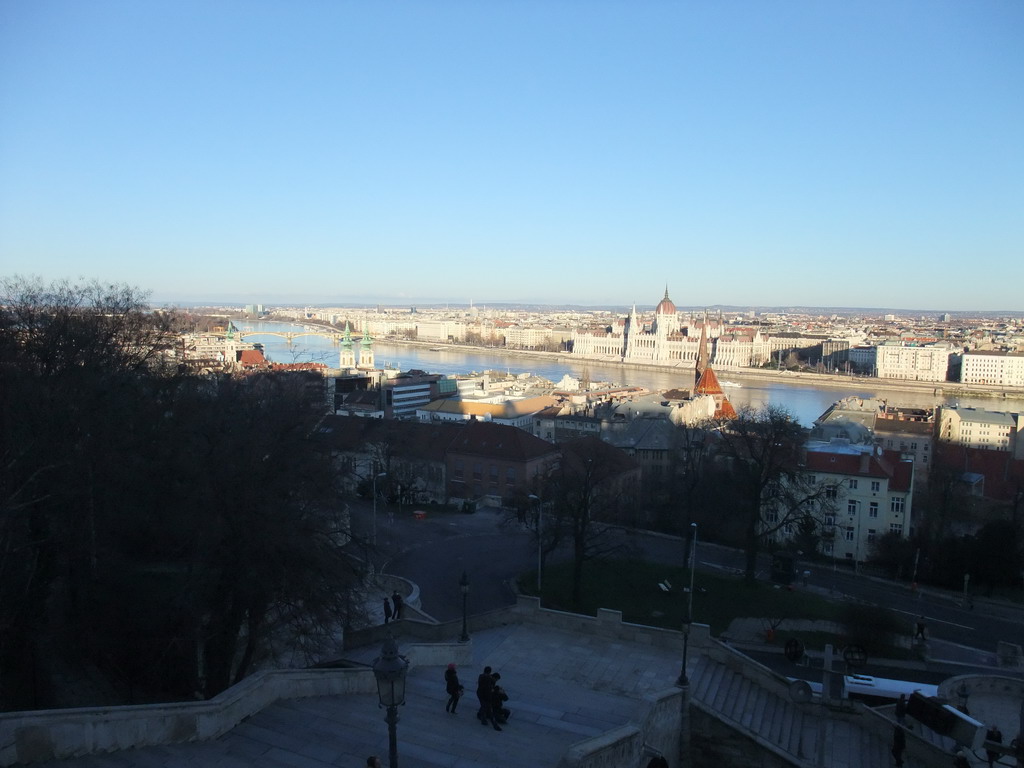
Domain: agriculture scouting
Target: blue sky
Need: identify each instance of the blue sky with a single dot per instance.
(745, 153)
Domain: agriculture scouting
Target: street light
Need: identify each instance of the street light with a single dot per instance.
(464, 586)
(540, 551)
(375, 478)
(683, 679)
(390, 670)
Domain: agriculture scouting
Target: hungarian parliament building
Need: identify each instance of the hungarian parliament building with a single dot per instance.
(673, 340)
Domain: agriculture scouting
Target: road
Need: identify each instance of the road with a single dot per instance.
(433, 552)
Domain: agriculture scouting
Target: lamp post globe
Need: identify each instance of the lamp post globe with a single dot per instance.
(390, 670)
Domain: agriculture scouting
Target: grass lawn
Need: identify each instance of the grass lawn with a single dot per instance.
(631, 586)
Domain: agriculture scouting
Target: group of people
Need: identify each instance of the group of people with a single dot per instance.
(392, 606)
(489, 693)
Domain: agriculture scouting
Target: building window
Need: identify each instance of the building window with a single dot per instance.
(458, 469)
(830, 492)
(830, 520)
(853, 484)
(851, 507)
(876, 486)
(510, 476)
(478, 471)
(494, 474)
(848, 535)
(871, 535)
(897, 504)
(873, 509)
(828, 549)
(896, 528)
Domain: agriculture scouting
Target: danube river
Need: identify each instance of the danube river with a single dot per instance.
(805, 400)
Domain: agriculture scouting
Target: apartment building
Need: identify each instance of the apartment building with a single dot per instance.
(912, 362)
(980, 428)
(873, 495)
(1002, 369)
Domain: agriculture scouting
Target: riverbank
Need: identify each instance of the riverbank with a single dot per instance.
(946, 389)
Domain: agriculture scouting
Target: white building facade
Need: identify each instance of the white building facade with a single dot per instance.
(873, 495)
(911, 362)
(673, 340)
(980, 428)
(1002, 369)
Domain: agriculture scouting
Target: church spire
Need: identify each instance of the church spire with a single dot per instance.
(702, 351)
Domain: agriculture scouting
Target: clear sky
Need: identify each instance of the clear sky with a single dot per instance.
(745, 153)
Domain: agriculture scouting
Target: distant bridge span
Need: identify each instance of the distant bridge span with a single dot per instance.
(290, 336)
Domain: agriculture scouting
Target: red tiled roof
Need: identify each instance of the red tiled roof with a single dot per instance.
(708, 385)
(888, 466)
(251, 357)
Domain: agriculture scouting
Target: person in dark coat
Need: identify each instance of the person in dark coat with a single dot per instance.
(901, 709)
(387, 610)
(453, 688)
(484, 691)
(397, 600)
(995, 735)
(498, 698)
(899, 744)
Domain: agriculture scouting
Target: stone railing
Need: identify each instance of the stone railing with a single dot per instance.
(629, 745)
(61, 733)
(608, 624)
(1011, 688)
(36, 736)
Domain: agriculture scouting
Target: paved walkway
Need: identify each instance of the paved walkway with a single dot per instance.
(563, 687)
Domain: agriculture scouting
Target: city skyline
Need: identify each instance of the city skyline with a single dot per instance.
(553, 154)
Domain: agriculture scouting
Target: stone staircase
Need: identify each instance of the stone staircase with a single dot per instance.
(754, 701)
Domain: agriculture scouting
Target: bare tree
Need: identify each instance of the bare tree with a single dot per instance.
(763, 449)
(591, 484)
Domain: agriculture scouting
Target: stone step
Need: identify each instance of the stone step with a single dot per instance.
(724, 687)
(809, 739)
(793, 744)
(740, 701)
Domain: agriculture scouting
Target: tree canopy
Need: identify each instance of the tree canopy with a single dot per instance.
(163, 533)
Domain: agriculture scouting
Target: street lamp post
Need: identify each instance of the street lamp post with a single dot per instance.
(375, 478)
(684, 680)
(540, 540)
(464, 587)
(390, 670)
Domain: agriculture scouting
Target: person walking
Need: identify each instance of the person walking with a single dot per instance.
(498, 698)
(901, 709)
(899, 744)
(397, 600)
(453, 688)
(994, 735)
(484, 692)
(919, 633)
(373, 762)
(387, 609)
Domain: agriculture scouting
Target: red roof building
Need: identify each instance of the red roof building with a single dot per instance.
(872, 495)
